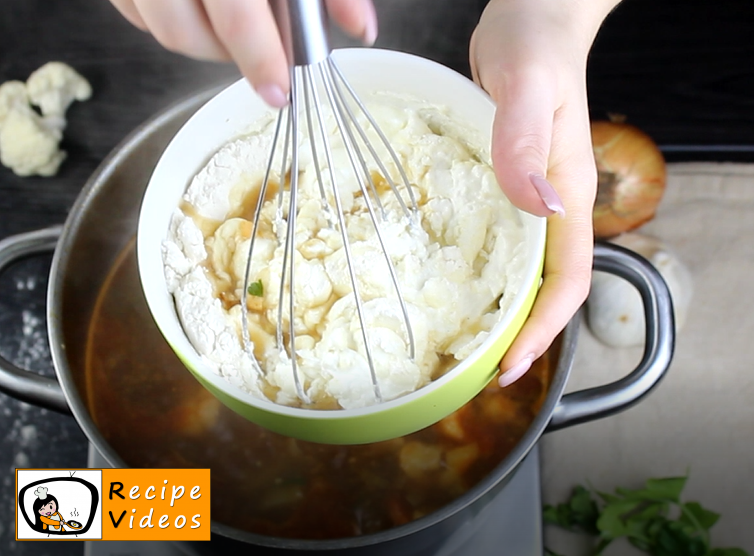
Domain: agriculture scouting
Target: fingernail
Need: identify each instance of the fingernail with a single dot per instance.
(548, 194)
(516, 371)
(370, 30)
(273, 95)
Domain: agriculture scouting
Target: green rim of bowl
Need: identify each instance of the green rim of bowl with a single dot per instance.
(343, 427)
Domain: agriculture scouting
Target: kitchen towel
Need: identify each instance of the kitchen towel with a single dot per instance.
(700, 419)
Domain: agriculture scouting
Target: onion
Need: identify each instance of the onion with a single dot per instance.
(631, 177)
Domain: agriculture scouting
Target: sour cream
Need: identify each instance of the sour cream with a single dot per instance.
(459, 261)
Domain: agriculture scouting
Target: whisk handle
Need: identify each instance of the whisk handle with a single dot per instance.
(303, 30)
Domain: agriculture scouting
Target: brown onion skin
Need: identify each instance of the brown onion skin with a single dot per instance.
(632, 178)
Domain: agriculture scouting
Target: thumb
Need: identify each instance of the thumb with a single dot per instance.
(521, 138)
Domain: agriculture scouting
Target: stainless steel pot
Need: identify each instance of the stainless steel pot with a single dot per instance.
(103, 220)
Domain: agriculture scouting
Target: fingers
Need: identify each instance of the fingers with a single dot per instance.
(543, 160)
(128, 9)
(244, 30)
(181, 26)
(526, 158)
(570, 244)
(522, 132)
(568, 270)
(248, 31)
(356, 17)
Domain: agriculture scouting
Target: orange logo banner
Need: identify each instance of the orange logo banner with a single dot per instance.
(155, 504)
(113, 504)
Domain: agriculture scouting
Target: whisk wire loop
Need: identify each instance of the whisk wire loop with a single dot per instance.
(337, 102)
(330, 93)
(255, 226)
(308, 80)
(302, 24)
(278, 228)
(391, 152)
(290, 248)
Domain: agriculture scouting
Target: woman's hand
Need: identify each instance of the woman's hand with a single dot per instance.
(530, 56)
(240, 30)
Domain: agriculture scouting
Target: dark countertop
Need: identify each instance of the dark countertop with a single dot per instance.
(682, 72)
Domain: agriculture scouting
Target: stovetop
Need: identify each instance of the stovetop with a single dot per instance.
(511, 524)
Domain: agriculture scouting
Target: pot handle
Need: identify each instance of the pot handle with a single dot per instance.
(25, 385)
(602, 401)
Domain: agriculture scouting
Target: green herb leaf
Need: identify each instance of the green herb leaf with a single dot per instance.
(667, 489)
(256, 289)
(557, 515)
(675, 539)
(651, 511)
(656, 489)
(611, 523)
(645, 517)
(578, 514)
(694, 514)
(607, 498)
(583, 506)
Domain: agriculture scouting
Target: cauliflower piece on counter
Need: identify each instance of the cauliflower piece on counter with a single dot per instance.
(28, 146)
(29, 142)
(54, 86)
(13, 96)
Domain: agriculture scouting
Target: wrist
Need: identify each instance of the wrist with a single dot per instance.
(579, 19)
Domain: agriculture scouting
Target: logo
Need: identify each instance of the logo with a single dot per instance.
(113, 504)
(57, 504)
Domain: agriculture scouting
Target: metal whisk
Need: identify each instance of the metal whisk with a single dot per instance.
(316, 82)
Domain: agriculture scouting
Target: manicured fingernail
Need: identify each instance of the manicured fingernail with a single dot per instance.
(548, 194)
(516, 371)
(370, 29)
(273, 95)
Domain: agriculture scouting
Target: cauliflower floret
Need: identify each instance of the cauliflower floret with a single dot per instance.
(13, 96)
(29, 142)
(54, 86)
(29, 147)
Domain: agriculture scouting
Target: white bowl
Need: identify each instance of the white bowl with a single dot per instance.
(232, 113)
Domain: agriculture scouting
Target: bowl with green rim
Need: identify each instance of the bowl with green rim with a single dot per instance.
(230, 114)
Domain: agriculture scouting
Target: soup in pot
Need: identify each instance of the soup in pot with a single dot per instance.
(154, 413)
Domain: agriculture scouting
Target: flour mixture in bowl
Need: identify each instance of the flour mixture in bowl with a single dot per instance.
(459, 261)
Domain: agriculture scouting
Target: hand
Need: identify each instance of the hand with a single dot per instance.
(240, 30)
(530, 56)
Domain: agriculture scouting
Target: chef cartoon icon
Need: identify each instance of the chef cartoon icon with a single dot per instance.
(48, 518)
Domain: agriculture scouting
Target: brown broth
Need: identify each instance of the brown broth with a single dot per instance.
(155, 414)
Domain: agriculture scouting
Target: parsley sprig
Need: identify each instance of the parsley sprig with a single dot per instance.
(652, 518)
